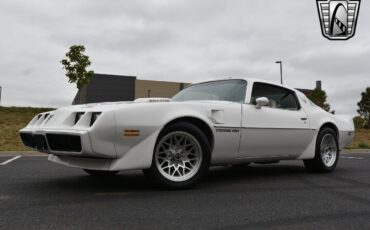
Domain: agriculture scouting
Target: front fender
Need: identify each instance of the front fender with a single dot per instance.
(147, 120)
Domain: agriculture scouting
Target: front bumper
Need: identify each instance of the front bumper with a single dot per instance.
(51, 142)
(56, 142)
(62, 133)
(79, 143)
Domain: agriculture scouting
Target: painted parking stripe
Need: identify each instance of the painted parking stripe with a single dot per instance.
(10, 160)
(354, 158)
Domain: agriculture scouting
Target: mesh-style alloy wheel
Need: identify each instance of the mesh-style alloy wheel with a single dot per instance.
(178, 156)
(181, 157)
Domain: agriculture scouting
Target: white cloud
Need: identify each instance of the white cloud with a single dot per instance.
(177, 41)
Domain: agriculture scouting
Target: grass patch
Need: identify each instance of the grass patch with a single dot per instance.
(13, 119)
(361, 140)
(363, 145)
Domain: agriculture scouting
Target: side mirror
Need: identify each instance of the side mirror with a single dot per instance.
(261, 101)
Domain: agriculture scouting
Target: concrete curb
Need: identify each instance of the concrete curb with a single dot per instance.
(345, 151)
(21, 153)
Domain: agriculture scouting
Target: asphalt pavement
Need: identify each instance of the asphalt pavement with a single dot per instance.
(37, 194)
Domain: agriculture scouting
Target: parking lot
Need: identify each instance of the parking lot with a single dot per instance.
(37, 194)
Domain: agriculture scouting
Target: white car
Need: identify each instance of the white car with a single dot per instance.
(175, 141)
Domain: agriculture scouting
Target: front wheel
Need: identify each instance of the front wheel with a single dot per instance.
(181, 156)
(327, 152)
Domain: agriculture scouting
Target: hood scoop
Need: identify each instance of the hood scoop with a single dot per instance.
(152, 100)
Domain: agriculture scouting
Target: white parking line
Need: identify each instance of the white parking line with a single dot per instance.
(354, 158)
(10, 160)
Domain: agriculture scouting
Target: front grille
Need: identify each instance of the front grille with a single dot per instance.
(34, 141)
(27, 140)
(64, 143)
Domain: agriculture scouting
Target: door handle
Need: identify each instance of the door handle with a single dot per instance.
(304, 118)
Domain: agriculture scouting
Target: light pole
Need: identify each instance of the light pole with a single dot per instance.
(281, 70)
(0, 94)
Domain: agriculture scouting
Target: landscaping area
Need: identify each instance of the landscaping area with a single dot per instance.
(13, 119)
(362, 140)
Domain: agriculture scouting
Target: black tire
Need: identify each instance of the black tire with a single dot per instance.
(317, 163)
(154, 173)
(100, 173)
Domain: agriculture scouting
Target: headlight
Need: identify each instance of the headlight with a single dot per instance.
(78, 116)
(94, 117)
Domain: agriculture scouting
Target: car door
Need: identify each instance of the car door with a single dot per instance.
(278, 130)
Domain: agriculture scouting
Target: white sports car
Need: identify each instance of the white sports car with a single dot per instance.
(175, 141)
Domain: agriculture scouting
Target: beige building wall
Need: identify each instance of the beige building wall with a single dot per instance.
(146, 88)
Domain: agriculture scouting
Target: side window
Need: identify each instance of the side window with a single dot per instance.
(278, 97)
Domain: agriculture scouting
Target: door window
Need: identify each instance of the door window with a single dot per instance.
(279, 97)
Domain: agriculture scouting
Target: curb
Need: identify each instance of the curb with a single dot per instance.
(354, 151)
(21, 153)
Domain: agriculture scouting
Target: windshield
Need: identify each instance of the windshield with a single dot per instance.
(227, 90)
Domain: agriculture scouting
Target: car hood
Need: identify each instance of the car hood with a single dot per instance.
(105, 106)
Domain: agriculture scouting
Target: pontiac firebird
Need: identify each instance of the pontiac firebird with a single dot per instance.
(175, 141)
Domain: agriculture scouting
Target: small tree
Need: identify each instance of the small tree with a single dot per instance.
(76, 64)
(364, 107)
(358, 122)
(318, 96)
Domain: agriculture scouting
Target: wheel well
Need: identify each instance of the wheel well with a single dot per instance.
(204, 127)
(332, 126)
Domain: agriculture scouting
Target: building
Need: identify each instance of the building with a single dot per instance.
(104, 87)
(309, 91)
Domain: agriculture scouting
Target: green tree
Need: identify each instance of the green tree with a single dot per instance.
(359, 122)
(364, 106)
(75, 64)
(318, 96)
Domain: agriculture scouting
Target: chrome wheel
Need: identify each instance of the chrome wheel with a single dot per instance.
(328, 150)
(178, 156)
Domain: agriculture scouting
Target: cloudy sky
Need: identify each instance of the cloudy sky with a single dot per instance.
(172, 40)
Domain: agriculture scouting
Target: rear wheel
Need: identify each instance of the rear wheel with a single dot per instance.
(100, 173)
(181, 157)
(327, 152)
